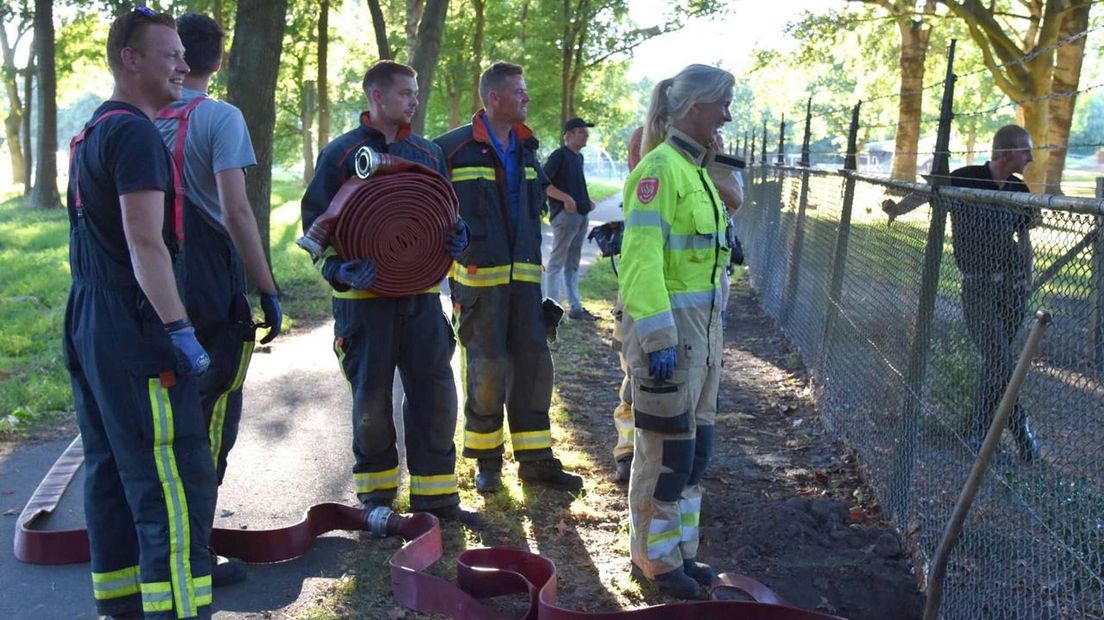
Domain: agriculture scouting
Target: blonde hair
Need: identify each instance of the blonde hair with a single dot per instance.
(672, 98)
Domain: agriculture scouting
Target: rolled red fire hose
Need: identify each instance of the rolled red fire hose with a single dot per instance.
(481, 573)
(396, 213)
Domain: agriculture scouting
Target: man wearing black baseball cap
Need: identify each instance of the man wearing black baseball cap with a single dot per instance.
(569, 204)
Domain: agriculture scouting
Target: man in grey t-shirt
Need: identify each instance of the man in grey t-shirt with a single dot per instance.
(221, 241)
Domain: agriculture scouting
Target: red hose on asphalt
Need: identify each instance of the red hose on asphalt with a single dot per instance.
(481, 573)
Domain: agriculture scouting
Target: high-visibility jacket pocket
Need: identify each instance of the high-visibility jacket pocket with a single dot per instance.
(661, 406)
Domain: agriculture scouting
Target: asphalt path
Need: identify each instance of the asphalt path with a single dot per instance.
(293, 451)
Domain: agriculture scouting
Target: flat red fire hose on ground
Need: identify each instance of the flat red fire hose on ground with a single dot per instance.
(394, 212)
(481, 573)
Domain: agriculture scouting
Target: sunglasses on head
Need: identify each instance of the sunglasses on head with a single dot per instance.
(129, 29)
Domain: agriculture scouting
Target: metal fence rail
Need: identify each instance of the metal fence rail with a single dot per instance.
(901, 344)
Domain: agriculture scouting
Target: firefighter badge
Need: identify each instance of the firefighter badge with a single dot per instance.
(647, 189)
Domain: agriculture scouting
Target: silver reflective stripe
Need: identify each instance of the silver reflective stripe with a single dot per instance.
(655, 323)
(697, 299)
(692, 242)
(647, 218)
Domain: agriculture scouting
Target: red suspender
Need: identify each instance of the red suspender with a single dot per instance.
(181, 114)
(75, 142)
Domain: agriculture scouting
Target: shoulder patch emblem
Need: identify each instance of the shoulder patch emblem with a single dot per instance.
(647, 189)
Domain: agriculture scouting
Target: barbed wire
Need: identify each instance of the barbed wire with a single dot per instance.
(1026, 58)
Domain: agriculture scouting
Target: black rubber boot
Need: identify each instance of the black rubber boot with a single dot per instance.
(1025, 438)
(549, 473)
(488, 475)
(459, 514)
(624, 468)
(699, 572)
(676, 584)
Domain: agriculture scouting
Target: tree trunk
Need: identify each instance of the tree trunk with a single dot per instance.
(323, 82)
(28, 100)
(251, 86)
(306, 121)
(424, 56)
(379, 26)
(44, 195)
(914, 50)
(1035, 120)
(567, 55)
(414, 10)
(971, 143)
(477, 55)
(13, 122)
(1066, 78)
(577, 69)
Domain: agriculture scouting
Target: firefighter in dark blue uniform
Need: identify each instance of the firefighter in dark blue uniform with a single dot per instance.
(374, 334)
(129, 348)
(495, 286)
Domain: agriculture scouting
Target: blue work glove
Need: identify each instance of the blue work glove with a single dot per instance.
(192, 356)
(661, 364)
(274, 316)
(357, 274)
(457, 242)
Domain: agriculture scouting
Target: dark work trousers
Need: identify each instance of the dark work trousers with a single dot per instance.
(373, 337)
(149, 481)
(994, 312)
(505, 361)
(212, 281)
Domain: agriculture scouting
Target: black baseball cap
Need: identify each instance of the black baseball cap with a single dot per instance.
(576, 123)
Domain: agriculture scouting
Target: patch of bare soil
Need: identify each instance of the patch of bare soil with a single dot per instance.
(784, 503)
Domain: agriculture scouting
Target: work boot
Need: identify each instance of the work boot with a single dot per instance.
(488, 475)
(699, 572)
(226, 571)
(549, 473)
(1025, 440)
(624, 467)
(676, 584)
(581, 314)
(459, 514)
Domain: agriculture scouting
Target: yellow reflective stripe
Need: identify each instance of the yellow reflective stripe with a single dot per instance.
(358, 294)
(483, 441)
(442, 484)
(527, 272)
(370, 481)
(690, 519)
(530, 174)
(176, 504)
(471, 173)
(115, 584)
(157, 597)
(329, 251)
(218, 413)
(660, 537)
(204, 596)
(531, 440)
(480, 276)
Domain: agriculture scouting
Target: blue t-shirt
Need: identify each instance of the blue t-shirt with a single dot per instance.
(513, 171)
(120, 155)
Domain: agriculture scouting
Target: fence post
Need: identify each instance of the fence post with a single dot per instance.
(745, 151)
(763, 150)
(794, 276)
(1097, 288)
(904, 459)
(782, 142)
(843, 237)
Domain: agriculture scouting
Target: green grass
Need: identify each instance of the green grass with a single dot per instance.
(34, 285)
(600, 190)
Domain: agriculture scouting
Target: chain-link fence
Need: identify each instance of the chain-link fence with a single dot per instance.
(911, 330)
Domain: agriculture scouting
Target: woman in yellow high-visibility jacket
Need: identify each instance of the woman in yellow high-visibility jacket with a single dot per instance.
(672, 257)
